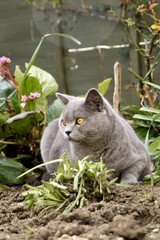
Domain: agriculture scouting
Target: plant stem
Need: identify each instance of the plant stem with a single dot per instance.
(74, 203)
(153, 65)
(9, 97)
(135, 74)
(149, 55)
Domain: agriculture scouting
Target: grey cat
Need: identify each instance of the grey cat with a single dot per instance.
(90, 126)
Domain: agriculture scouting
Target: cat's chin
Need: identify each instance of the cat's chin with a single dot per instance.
(71, 139)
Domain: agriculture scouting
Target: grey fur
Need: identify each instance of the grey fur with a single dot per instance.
(104, 134)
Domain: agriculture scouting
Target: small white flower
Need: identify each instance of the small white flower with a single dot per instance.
(23, 104)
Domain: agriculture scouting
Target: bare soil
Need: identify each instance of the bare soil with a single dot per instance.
(130, 213)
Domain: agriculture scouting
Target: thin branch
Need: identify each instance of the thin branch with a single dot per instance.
(117, 87)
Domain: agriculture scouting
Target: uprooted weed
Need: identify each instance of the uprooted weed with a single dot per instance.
(71, 187)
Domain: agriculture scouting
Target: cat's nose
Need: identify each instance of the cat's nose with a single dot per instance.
(68, 132)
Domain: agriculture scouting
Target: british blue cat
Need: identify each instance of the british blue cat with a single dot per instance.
(89, 125)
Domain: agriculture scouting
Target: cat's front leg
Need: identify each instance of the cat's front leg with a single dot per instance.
(133, 174)
(128, 178)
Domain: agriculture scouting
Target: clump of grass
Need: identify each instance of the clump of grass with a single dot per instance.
(70, 187)
(153, 177)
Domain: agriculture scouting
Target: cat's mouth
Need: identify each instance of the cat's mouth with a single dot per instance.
(71, 139)
(68, 137)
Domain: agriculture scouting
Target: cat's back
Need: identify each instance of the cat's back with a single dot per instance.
(48, 138)
(53, 144)
(50, 132)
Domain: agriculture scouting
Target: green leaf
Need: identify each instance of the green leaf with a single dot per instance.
(9, 171)
(152, 85)
(135, 74)
(3, 118)
(147, 139)
(5, 90)
(148, 180)
(39, 166)
(63, 35)
(129, 110)
(47, 81)
(33, 58)
(18, 74)
(55, 110)
(155, 145)
(142, 131)
(55, 184)
(30, 84)
(156, 117)
(146, 118)
(103, 86)
(15, 103)
(21, 124)
(70, 191)
(150, 110)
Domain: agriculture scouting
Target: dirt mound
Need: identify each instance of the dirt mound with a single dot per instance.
(130, 213)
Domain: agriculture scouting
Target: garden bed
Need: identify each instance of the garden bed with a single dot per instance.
(128, 213)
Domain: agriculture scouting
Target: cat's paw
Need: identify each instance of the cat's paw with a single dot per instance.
(129, 180)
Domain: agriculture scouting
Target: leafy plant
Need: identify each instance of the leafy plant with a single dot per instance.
(104, 85)
(71, 187)
(9, 171)
(144, 23)
(23, 110)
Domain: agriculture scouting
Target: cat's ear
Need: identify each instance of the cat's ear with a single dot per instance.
(94, 100)
(64, 97)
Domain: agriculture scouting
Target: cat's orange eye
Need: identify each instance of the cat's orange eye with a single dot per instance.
(64, 123)
(79, 121)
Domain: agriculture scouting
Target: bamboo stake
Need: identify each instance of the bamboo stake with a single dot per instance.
(117, 87)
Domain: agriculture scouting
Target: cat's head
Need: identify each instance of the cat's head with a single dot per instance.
(83, 119)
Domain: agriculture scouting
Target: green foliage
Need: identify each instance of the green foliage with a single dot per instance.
(145, 25)
(30, 85)
(34, 56)
(5, 90)
(154, 146)
(144, 119)
(54, 110)
(18, 74)
(21, 125)
(46, 80)
(9, 171)
(104, 85)
(23, 107)
(3, 118)
(16, 134)
(71, 187)
(146, 123)
(153, 177)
